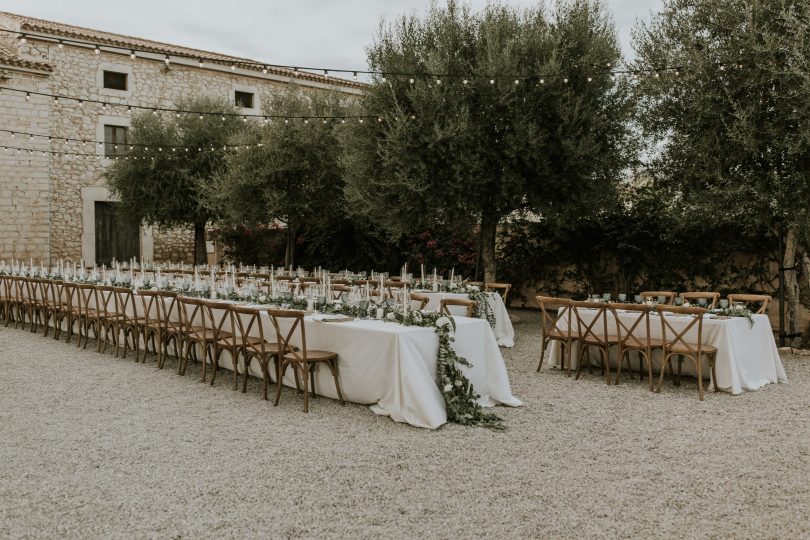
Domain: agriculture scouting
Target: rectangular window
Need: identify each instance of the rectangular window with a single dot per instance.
(243, 99)
(115, 80)
(115, 141)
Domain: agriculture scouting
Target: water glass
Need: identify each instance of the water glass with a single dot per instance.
(662, 299)
(723, 303)
(606, 297)
(622, 297)
(637, 299)
(678, 300)
(702, 302)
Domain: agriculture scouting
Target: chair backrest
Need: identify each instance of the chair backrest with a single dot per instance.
(340, 282)
(391, 284)
(421, 299)
(474, 283)
(5, 287)
(446, 303)
(669, 296)
(152, 307)
(191, 311)
(673, 336)
(500, 288)
(247, 318)
(106, 302)
(284, 339)
(52, 293)
(71, 295)
(125, 303)
(561, 307)
(220, 317)
(710, 297)
(762, 299)
(633, 323)
(36, 289)
(597, 328)
(86, 297)
(338, 290)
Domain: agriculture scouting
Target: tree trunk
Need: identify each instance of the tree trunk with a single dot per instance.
(489, 229)
(200, 252)
(289, 252)
(791, 287)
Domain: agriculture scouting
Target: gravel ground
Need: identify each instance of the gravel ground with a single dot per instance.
(93, 446)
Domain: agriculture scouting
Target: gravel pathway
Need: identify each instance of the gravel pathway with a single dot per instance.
(93, 446)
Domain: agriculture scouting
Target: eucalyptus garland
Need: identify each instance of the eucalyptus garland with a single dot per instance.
(458, 392)
(483, 310)
(739, 312)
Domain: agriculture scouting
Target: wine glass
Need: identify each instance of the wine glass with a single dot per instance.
(702, 302)
(679, 300)
(622, 297)
(637, 299)
(724, 303)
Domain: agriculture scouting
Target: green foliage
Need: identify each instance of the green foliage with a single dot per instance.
(163, 186)
(650, 241)
(732, 130)
(448, 151)
(291, 175)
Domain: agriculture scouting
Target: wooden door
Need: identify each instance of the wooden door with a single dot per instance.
(117, 238)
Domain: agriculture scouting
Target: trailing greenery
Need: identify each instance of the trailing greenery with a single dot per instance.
(458, 392)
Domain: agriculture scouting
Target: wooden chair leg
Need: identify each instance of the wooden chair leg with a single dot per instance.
(543, 343)
(279, 374)
(306, 383)
(247, 358)
(235, 360)
(698, 362)
(714, 372)
(333, 367)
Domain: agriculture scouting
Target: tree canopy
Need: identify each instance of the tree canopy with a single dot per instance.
(163, 184)
(449, 149)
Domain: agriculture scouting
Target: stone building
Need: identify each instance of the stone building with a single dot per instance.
(56, 206)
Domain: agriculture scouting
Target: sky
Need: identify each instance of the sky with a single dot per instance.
(318, 33)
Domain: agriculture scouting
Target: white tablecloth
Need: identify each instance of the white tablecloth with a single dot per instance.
(393, 367)
(746, 359)
(504, 332)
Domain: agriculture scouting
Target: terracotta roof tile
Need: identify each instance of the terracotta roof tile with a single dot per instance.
(10, 58)
(119, 40)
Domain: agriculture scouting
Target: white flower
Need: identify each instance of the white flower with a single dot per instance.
(475, 288)
(390, 316)
(459, 383)
(448, 387)
(442, 321)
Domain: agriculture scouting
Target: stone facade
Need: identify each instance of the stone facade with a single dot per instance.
(47, 201)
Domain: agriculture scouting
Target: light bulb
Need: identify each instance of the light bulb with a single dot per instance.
(233, 67)
(201, 63)
(97, 50)
(23, 40)
(132, 54)
(492, 81)
(60, 45)
(354, 76)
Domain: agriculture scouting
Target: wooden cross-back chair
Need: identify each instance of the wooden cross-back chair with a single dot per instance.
(73, 309)
(668, 296)
(262, 348)
(105, 317)
(500, 288)
(7, 299)
(127, 323)
(89, 316)
(194, 332)
(675, 343)
(339, 290)
(36, 292)
(761, 299)
(695, 297)
(446, 303)
(155, 324)
(21, 299)
(419, 301)
(594, 334)
(221, 318)
(633, 332)
(301, 359)
(54, 307)
(556, 321)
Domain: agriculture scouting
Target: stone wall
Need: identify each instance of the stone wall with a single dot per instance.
(75, 184)
(174, 245)
(24, 177)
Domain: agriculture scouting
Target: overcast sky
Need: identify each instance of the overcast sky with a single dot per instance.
(328, 33)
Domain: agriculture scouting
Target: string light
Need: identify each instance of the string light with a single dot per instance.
(167, 60)
(23, 39)
(60, 45)
(132, 54)
(97, 50)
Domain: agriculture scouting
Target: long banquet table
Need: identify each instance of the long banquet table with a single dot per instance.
(392, 367)
(747, 358)
(504, 332)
